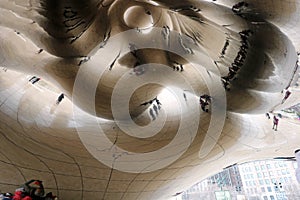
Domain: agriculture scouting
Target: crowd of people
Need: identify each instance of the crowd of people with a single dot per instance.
(238, 61)
(138, 68)
(186, 8)
(177, 66)
(156, 106)
(31, 190)
(239, 7)
(205, 100)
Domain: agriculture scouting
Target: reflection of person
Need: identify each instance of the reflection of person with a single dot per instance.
(155, 109)
(184, 96)
(157, 101)
(85, 59)
(40, 51)
(35, 80)
(287, 94)
(152, 114)
(60, 98)
(20, 196)
(206, 97)
(275, 123)
(38, 190)
(203, 105)
(33, 188)
(32, 78)
(50, 196)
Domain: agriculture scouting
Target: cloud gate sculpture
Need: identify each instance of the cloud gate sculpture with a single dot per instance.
(157, 94)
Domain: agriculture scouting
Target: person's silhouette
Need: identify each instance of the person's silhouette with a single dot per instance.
(155, 109)
(60, 98)
(152, 114)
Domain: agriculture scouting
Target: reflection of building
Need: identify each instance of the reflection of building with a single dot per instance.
(227, 180)
(258, 180)
(270, 180)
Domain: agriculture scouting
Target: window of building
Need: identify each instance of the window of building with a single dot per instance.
(267, 182)
(281, 180)
(286, 180)
(265, 198)
(261, 182)
(259, 175)
(295, 165)
(274, 180)
(263, 189)
(262, 167)
(266, 174)
(272, 197)
(271, 173)
(269, 166)
(276, 188)
(278, 172)
(256, 168)
(283, 171)
(269, 189)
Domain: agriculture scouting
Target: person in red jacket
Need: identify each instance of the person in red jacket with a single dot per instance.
(19, 195)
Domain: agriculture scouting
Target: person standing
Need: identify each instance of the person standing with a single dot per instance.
(275, 123)
(287, 94)
(152, 114)
(184, 96)
(155, 109)
(60, 98)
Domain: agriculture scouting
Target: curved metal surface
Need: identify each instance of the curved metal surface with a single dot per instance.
(131, 125)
